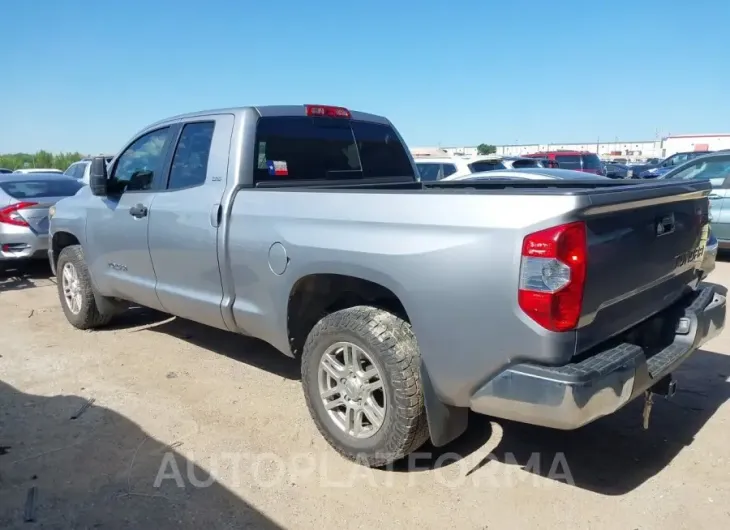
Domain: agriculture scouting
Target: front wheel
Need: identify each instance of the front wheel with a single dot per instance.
(76, 292)
(362, 384)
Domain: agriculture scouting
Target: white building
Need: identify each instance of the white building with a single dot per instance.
(694, 142)
(635, 150)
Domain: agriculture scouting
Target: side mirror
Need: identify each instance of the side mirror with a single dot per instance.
(98, 176)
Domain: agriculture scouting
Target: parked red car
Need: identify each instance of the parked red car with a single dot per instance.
(575, 160)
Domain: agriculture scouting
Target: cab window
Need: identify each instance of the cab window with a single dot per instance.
(190, 163)
(138, 165)
(295, 148)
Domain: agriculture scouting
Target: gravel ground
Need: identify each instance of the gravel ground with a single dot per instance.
(162, 423)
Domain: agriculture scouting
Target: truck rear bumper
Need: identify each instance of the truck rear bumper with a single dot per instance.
(568, 397)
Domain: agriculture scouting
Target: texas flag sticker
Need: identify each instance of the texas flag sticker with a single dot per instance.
(277, 168)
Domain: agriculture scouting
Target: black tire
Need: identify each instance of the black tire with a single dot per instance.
(89, 316)
(390, 343)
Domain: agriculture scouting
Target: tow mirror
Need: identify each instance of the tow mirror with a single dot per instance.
(98, 176)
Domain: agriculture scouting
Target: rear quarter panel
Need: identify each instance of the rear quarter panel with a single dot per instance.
(452, 259)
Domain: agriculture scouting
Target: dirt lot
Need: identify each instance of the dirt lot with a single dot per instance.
(195, 428)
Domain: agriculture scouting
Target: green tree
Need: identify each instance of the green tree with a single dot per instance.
(42, 158)
(486, 149)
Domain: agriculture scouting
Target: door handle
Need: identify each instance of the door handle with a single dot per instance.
(138, 211)
(714, 196)
(215, 215)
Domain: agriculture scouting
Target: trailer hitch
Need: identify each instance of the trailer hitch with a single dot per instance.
(666, 387)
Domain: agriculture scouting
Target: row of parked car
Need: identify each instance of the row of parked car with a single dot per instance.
(433, 168)
(654, 167)
(703, 165)
(78, 170)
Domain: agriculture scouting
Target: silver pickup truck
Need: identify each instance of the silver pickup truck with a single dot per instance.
(407, 304)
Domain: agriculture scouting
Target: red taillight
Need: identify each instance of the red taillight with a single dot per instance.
(327, 111)
(552, 276)
(10, 216)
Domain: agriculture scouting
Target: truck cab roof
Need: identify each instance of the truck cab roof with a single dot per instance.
(268, 111)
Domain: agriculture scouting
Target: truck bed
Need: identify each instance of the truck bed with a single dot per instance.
(451, 252)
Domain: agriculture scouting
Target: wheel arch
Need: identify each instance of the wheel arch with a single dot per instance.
(314, 296)
(59, 241)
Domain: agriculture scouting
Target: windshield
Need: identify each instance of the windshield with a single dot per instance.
(301, 148)
(568, 161)
(35, 189)
(702, 170)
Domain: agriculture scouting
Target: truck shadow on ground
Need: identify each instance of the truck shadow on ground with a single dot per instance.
(99, 471)
(615, 455)
(24, 276)
(237, 347)
(611, 456)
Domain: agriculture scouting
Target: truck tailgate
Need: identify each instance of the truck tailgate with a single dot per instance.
(645, 247)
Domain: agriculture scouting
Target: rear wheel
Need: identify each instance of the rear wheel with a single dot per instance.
(361, 378)
(76, 292)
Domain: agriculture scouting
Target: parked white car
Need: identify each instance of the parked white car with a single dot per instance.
(533, 173)
(80, 170)
(449, 168)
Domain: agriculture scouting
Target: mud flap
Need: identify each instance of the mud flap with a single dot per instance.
(445, 423)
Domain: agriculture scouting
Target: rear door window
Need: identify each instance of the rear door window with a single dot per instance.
(568, 161)
(29, 188)
(190, 163)
(310, 149)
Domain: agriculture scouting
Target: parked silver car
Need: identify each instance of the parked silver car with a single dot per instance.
(24, 202)
(715, 168)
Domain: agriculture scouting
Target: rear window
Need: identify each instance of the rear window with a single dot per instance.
(517, 164)
(35, 189)
(302, 148)
(486, 165)
(591, 162)
(568, 161)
